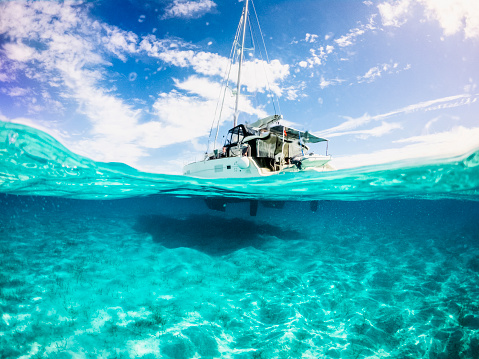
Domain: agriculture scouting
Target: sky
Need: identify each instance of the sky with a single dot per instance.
(138, 82)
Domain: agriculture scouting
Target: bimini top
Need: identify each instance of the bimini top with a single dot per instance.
(279, 130)
(292, 134)
(264, 122)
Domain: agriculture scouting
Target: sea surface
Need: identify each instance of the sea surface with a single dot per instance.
(98, 260)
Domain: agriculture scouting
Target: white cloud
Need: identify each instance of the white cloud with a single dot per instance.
(326, 83)
(115, 133)
(351, 123)
(61, 30)
(452, 15)
(257, 75)
(293, 93)
(441, 103)
(187, 116)
(189, 9)
(15, 91)
(348, 40)
(5, 77)
(55, 27)
(318, 55)
(8, 70)
(394, 13)
(310, 38)
(351, 37)
(200, 86)
(120, 42)
(205, 63)
(378, 131)
(181, 115)
(455, 16)
(373, 73)
(428, 125)
(211, 91)
(471, 86)
(70, 56)
(381, 130)
(18, 51)
(455, 142)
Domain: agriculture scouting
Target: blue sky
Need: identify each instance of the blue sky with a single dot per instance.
(138, 82)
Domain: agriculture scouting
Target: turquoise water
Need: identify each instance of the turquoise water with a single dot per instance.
(101, 261)
(34, 163)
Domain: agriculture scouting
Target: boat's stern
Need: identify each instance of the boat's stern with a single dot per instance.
(225, 167)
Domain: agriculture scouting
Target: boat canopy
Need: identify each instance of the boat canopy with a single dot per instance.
(292, 134)
(264, 122)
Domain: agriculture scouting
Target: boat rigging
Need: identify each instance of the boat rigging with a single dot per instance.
(263, 148)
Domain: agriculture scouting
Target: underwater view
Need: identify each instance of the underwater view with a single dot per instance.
(99, 260)
(329, 202)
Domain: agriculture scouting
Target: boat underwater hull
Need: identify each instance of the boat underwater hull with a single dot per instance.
(246, 167)
(220, 204)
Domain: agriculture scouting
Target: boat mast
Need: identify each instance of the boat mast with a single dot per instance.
(238, 86)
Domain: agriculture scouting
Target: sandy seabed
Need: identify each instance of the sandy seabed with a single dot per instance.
(169, 279)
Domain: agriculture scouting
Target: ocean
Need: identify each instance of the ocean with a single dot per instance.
(98, 260)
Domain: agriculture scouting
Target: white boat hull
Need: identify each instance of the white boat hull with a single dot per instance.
(311, 161)
(228, 167)
(246, 167)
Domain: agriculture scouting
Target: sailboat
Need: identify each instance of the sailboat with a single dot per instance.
(263, 148)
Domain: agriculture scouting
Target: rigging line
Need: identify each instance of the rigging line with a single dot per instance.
(241, 57)
(300, 143)
(227, 78)
(268, 86)
(264, 45)
(216, 111)
(253, 48)
(222, 90)
(222, 106)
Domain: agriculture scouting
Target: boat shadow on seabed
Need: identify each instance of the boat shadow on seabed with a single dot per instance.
(210, 234)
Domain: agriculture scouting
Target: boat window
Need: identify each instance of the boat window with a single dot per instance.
(235, 135)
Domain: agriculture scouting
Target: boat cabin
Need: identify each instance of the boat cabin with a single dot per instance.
(268, 146)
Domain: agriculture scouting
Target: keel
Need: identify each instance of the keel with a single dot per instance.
(216, 204)
(253, 208)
